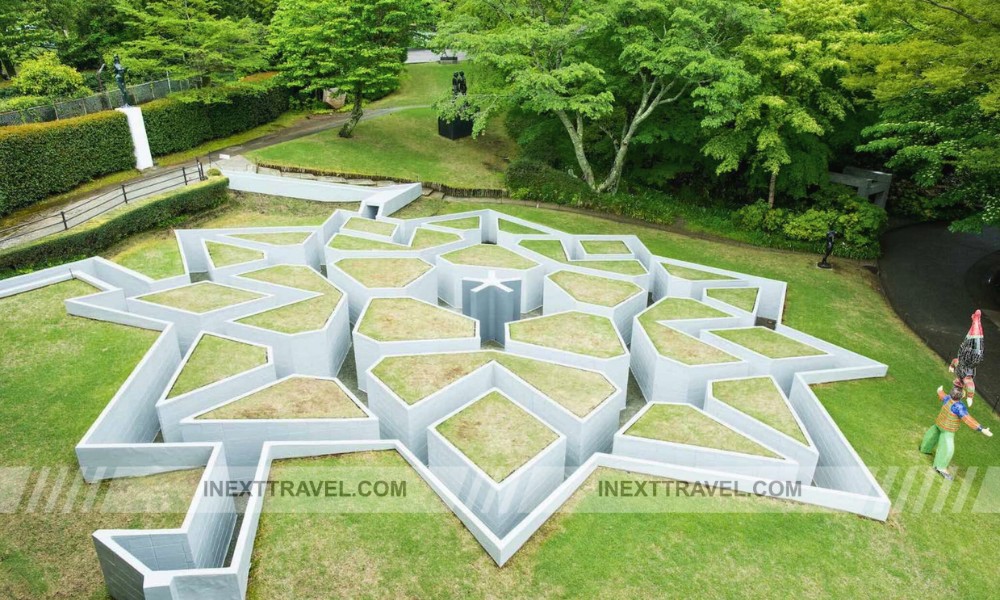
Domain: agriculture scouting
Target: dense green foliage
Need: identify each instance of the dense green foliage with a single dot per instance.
(46, 76)
(42, 159)
(89, 240)
(185, 120)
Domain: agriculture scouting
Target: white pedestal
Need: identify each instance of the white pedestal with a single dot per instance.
(136, 126)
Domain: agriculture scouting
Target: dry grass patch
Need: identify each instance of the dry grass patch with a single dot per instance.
(297, 397)
(684, 348)
(294, 276)
(384, 272)
(760, 398)
(693, 274)
(428, 238)
(370, 226)
(684, 424)
(214, 359)
(767, 343)
(401, 319)
(576, 390)
(497, 435)
(417, 376)
(201, 297)
(742, 298)
(224, 255)
(489, 255)
(593, 289)
(288, 238)
(463, 223)
(305, 315)
(605, 247)
(571, 331)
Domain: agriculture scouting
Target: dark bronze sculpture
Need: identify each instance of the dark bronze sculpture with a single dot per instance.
(460, 126)
(831, 238)
(120, 72)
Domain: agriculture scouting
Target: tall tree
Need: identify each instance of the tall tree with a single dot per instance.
(604, 65)
(796, 96)
(353, 45)
(24, 33)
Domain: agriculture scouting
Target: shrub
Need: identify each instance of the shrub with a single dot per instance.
(158, 211)
(22, 102)
(185, 120)
(46, 76)
(42, 159)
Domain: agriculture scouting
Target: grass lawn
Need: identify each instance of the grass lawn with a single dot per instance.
(693, 274)
(742, 298)
(400, 319)
(403, 145)
(370, 226)
(341, 241)
(428, 238)
(297, 397)
(49, 553)
(553, 249)
(489, 255)
(605, 247)
(384, 272)
(760, 398)
(294, 276)
(463, 223)
(684, 424)
(201, 297)
(415, 377)
(672, 309)
(766, 342)
(572, 331)
(516, 228)
(684, 348)
(225, 255)
(214, 359)
(423, 84)
(291, 238)
(593, 289)
(497, 435)
(305, 315)
(154, 254)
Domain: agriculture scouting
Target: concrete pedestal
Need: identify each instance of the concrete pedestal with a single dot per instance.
(136, 126)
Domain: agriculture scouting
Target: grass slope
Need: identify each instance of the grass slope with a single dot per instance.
(489, 255)
(684, 424)
(766, 342)
(384, 272)
(225, 255)
(370, 226)
(605, 247)
(553, 249)
(201, 297)
(760, 398)
(401, 319)
(464, 223)
(742, 298)
(573, 331)
(593, 289)
(214, 359)
(297, 397)
(290, 238)
(693, 274)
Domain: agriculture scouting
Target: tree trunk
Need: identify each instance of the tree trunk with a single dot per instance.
(576, 136)
(348, 129)
(770, 189)
(6, 64)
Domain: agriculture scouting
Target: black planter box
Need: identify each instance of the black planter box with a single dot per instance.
(453, 130)
(448, 60)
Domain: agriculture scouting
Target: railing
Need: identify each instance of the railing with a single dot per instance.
(138, 94)
(86, 210)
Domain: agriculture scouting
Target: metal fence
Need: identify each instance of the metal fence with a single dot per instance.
(138, 94)
(79, 213)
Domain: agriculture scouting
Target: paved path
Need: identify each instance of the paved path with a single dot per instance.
(935, 279)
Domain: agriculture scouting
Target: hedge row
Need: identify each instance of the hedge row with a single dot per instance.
(42, 159)
(185, 120)
(159, 211)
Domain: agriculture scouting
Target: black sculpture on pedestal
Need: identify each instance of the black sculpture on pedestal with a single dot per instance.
(831, 238)
(458, 127)
(120, 72)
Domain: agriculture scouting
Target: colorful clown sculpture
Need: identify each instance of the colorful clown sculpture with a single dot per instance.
(940, 438)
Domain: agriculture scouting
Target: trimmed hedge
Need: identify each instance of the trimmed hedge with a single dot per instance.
(185, 120)
(42, 159)
(151, 213)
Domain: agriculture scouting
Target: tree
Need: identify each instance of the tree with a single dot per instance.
(24, 32)
(46, 76)
(188, 37)
(353, 45)
(934, 73)
(796, 96)
(602, 65)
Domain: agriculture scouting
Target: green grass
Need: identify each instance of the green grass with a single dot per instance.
(464, 223)
(384, 272)
(295, 276)
(201, 297)
(684, 424)
(573, 331)
(516, 228)
(670, 309)
(403, 145)
(297, 397)
(401, 319)
(306, 315)
(605, 247)
(424, 84)
(676, 345)
(741, 298)
(489, 255)
(292, 238)
(760, 398)
(225, 255)
(766, 342)
(497, 435)
(370, 226)
(428, 238)
(154, 254)
(593, 289)
(553, 249)
(693, 274)
(342, 241)
(214, 359)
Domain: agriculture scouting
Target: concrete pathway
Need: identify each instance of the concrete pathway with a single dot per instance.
(936, 279)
